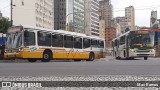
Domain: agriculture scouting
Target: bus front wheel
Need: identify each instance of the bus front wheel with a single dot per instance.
(46, 56)
(91, 57)
(32, 60)
(145, 58)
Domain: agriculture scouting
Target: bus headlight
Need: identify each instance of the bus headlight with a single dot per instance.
(20, 49)
(152, 50)
(132, 50)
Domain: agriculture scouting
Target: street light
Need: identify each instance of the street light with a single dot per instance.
(12, 12)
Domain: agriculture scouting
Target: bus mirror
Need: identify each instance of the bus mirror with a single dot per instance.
(26, 34)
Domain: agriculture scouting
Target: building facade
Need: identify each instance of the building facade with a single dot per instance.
(110, 34)
(102, 29)
(106, 12)
(60, 14)
(127, 21)
(122, 21)
(75, 15)
(130, 17)
(37, 13)
(69, 15)
(92, 18)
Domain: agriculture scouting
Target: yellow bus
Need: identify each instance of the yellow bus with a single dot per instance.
(32, 43)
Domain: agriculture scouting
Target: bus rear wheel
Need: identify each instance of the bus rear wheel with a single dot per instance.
(91, 57)
(32, 60)
(145, 58)
(47, 56)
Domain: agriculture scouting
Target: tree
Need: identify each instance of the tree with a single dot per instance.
(4, 25)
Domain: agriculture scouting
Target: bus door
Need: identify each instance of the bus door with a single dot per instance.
(127, 46)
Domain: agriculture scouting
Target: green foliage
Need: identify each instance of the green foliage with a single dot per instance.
(4, 25)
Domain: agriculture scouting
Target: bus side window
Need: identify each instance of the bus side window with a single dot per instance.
(115, 44)
(86, 43)
(122, 40)
(57, 40)
(93, 43)
(29, 38)
(48, 39)
(112, 43)
(44, 38)
(100, 44)
(118, 43)
(26, 34)
(78, 42)
(68, 41)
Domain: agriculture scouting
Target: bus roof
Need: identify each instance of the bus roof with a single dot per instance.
(121, 35)
(63, 32)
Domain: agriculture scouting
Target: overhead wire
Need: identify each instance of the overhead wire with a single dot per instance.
(5, 7)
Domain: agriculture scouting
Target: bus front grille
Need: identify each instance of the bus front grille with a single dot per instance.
(143, 54)
(143, 51)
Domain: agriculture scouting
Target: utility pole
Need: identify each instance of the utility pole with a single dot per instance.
(11, 12)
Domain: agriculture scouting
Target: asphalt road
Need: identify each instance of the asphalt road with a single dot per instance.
(108, 66)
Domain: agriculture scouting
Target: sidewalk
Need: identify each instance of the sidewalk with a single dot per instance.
(107, 58)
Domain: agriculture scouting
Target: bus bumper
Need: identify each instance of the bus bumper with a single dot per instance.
(141, 54)
(23, 55)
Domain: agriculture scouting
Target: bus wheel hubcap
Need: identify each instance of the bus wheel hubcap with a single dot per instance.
(91, 57)
(46, 56)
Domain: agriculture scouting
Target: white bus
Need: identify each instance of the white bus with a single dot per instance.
(134, 44)
(34, 43)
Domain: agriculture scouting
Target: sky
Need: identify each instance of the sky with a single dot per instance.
(143, 9)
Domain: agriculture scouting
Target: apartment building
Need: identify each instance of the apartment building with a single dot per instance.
(102, 29)
(92, 18)
(110, 34)
(37, 13)
(75, 11)
(69, 15)
(127, 21)
(130, 17)
(106, 13)
(122, 21)
(60, 15)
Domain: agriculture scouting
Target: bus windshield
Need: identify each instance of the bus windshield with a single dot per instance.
(14, 40)
(142, 40)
